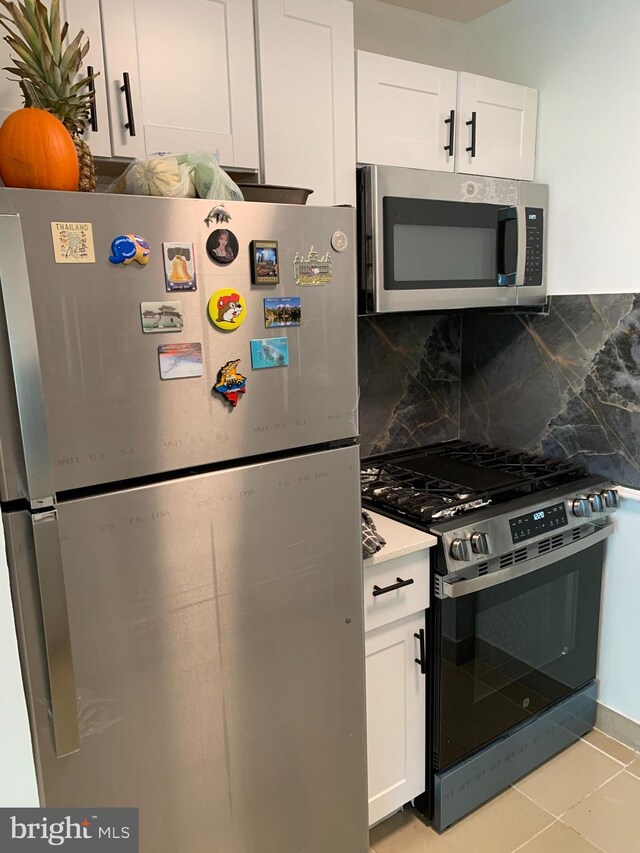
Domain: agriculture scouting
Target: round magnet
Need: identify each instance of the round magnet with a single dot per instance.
(130, 247)
(339, 241)
(227, 309)
(222, 246)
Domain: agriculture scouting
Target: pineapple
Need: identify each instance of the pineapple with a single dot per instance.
(46, 70)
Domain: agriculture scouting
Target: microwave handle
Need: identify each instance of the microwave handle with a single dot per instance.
(512, 278)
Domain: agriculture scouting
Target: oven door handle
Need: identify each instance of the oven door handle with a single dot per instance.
(468, 587)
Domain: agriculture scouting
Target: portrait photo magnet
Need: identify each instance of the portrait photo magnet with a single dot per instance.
(222, 246)
(265, 264)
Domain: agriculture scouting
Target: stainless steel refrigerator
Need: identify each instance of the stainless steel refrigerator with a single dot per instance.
(186, 572)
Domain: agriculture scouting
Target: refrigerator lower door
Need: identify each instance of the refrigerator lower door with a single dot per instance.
(217, 637)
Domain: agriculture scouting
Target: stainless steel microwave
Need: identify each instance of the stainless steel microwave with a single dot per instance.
(433, 241)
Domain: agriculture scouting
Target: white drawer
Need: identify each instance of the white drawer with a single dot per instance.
(389, 606)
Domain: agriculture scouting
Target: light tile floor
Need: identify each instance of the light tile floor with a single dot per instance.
(586, 799)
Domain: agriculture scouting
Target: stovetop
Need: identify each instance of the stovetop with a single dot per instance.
(442, 481)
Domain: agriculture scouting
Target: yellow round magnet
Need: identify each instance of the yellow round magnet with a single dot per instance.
(227, 309)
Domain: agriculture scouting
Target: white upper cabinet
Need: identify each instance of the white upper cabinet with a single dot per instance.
(85, 15)
(307, 89)
(191, 80)
(496, 128)
(406, 113)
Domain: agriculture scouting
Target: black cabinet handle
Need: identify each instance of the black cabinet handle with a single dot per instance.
(93, 112)
(380, 590)
(472, 124)
(451, 121)
(126, 88)
(422, 659)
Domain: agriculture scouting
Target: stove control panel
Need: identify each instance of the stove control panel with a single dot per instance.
(539, 521)
(497, 535)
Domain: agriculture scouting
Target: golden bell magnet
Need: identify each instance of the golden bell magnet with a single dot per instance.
(179, 266)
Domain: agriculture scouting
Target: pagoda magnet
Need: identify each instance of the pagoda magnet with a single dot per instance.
(230, 383)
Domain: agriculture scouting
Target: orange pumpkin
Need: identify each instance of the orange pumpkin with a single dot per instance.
(37, 152)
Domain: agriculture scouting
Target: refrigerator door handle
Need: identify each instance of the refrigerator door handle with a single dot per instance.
(25, 361)
(55, 620)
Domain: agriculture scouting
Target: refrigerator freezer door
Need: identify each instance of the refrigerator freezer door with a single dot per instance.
(217, 635)
(110, 416)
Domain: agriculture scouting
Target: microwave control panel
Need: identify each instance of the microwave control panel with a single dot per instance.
(535, 246)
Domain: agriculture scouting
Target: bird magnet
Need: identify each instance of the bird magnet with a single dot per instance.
(128, 248)
(179, 267)
(230, 383)
(218, 214)
(227, 309)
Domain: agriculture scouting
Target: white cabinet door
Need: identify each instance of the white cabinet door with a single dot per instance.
(85, 15)
(192, 76)
(307, 96)
(501, 119)
(404, 113)
(396, 714)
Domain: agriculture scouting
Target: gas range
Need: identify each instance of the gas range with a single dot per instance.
(513, 620)
(486, 504)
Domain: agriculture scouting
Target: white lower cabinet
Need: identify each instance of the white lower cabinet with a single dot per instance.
(395, 716)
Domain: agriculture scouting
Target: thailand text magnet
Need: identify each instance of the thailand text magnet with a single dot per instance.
(73, 242)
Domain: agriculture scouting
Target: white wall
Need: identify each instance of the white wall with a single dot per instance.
(407, 34)
(17, 772)
(618, 659)
(583, 56)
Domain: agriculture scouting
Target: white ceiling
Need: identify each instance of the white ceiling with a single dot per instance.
(456, 10)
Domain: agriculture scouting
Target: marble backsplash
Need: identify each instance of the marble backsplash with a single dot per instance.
(567, 384)
(409, 380)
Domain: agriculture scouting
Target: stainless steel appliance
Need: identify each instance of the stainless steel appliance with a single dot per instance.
(432, 241)
(513, 626)
(186, 575)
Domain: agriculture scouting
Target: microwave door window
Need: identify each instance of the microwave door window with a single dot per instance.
(437, 253)
(432, 245)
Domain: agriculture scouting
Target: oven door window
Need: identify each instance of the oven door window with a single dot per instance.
(444, 244)
(508, 652)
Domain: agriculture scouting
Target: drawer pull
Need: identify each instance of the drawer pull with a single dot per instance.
(380, 590)
(422, 661)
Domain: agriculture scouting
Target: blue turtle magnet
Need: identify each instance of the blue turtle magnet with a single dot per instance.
(130, 247)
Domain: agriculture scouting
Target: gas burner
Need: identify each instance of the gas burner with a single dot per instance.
(444, 480)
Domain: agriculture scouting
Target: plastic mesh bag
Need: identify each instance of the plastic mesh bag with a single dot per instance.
(195, 175)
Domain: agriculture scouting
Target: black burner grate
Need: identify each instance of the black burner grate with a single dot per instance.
(443, 480)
